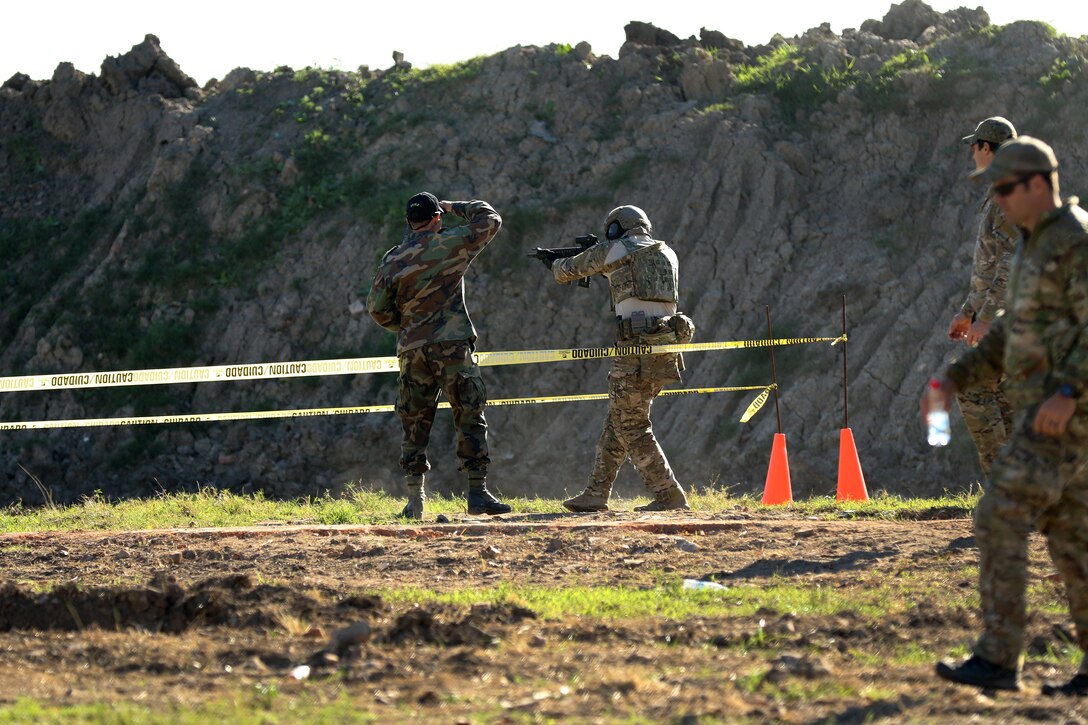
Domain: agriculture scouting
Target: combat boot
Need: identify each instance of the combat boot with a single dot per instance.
(981, 673)
(416, 496)
(586, 502)
(672, 500)
(1076, 687)
(481, 501)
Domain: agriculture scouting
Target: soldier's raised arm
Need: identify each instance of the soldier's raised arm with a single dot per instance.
(483, 221)
(590, 262)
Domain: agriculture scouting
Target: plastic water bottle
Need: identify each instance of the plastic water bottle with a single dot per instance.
(701, 584)
(938, 428)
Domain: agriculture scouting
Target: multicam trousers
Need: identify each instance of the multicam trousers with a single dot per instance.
(988, 417)
(632, 384)
(1042, 483)
(424, 372)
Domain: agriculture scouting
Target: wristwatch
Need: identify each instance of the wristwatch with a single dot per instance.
(1067, 391)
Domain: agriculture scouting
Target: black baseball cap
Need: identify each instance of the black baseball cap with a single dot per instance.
(422, 207)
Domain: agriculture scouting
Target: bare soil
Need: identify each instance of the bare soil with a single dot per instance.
(185, 617)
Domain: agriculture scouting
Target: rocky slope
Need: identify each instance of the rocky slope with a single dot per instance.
(148, 222)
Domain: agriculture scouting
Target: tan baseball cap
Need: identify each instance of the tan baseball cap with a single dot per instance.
(996, 130)
(1025, 155)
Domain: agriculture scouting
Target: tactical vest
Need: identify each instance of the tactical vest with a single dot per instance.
(646, 273)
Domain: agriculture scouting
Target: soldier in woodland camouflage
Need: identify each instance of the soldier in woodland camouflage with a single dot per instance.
(418, 293)
(643, 277)
(1040, 478)
(985, 408)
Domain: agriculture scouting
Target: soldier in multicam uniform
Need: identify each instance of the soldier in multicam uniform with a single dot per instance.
(419, 293)
(643, 279)
(1040, 478)
(985, 408)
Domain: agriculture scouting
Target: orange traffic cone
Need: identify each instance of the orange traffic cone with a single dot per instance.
(777, 489)
(851, 479)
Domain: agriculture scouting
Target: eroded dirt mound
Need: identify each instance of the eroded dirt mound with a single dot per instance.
(163, 605)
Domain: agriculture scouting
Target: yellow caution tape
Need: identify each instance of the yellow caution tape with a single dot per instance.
(757, 403)
(521, 357)
(358, 366)
(311, 412)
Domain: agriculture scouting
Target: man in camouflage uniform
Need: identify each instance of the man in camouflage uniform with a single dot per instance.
(643, 279)
(985, 408)
(419, 293)
(1040, 478)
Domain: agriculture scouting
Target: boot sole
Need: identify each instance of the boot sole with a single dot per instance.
(585, 509)
(951, 675)
(477, 512)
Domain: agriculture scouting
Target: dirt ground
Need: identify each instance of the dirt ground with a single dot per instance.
(185, 617)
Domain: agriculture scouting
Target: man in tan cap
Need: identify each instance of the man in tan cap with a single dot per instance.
(1039, 480)
(985, 409)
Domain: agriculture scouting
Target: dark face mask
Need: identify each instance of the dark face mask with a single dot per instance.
(614, 231)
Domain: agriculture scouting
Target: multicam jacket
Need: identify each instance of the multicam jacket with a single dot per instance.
(995, 243)
(419, 289)
(1040, 342)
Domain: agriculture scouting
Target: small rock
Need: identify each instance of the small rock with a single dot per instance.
(442, 519)
(353, 634)
(685, 545)
(314, 633)
(489, 553)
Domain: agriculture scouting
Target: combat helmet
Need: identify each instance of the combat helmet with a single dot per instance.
(623, 219)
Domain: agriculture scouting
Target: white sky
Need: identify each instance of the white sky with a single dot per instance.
(208, 39)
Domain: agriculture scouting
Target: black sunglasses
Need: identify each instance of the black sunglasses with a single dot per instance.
(1009, 186)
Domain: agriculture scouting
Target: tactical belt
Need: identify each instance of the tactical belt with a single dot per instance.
(638, 324)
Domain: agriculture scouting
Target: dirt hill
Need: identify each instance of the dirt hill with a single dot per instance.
(148, 222)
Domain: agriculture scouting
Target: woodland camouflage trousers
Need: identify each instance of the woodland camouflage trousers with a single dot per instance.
(1036, 482)
(424, 372)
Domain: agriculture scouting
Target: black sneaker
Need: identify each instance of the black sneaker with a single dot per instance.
(1076, 687)
(482, 502)
(980, 673)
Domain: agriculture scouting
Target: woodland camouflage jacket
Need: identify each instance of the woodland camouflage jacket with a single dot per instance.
(419, 290)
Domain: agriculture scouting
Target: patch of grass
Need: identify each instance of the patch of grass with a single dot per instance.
(1063, 69)
(788, 76)
(721, 106)
(669, 601)
(443, 77)
(257, 705)
(211, 507)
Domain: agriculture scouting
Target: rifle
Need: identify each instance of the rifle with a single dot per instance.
(584, 242)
